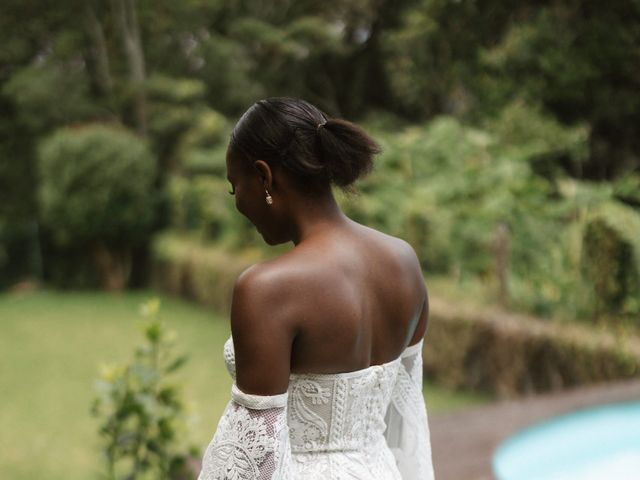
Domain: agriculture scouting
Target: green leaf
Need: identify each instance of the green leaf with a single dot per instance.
(177, 363)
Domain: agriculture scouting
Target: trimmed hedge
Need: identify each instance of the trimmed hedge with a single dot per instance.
(511, 355)
(186, 267)
(487, 350)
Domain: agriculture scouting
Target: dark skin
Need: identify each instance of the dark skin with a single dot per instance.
(344, 298)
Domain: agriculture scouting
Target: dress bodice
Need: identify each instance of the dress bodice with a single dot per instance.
(361, 425)
(339, 411)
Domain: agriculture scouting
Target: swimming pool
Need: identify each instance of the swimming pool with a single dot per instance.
(599, 443)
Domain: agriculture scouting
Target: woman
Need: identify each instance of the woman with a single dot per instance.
(326, 347)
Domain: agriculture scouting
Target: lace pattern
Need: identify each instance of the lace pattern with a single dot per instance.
(367, 424)
(251, 441)
(407, 431)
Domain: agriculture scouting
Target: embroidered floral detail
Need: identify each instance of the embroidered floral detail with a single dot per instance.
(315, 392)
(243, 447)
(310, 428)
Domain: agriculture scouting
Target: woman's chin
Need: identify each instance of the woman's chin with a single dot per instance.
(269, 240)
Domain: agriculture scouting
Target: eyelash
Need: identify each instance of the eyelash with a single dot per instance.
(233, 190)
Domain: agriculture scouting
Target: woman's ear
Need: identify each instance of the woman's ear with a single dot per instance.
(265, 172)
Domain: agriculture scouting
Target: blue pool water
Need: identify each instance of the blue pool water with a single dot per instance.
(595, 444)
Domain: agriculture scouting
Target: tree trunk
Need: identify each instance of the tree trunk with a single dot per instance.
(127, 20)
(501, 252)
(96, 32)
(113, 267)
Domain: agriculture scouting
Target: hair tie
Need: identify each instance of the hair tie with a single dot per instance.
(320, 125)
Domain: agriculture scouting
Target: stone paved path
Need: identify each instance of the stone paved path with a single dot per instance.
(463, 443)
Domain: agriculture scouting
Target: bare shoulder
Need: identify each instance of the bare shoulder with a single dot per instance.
(405, 252)
(262, 330)
(408, 254)
(268, 280)
(398, 249)
(260, 297)
(406, 265)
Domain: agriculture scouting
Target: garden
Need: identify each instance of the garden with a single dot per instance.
(510, 162)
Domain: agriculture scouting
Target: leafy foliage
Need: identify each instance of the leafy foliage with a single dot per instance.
(141, 410)
(575, 58)
(451, 189)
(95, 183)
(508, 101)
(611, 259)
(203, 204)
(49, 96)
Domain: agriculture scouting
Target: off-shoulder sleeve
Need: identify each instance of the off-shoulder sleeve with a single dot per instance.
(407, 432)
(251, 441)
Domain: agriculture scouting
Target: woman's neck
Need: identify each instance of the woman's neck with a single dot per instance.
(315, 215)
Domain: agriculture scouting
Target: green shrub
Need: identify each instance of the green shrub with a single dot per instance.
(611, 256)
(141, 410)
(96, 184)
(96, 191)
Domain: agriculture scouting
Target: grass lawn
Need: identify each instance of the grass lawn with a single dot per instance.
(51, 347)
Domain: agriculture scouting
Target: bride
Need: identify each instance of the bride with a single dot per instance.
(326, 347)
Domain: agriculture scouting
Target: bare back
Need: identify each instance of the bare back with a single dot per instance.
(358, 294)
(343, 300)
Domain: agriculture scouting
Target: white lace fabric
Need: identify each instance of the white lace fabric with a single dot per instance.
(251, 441)
(407, 433)
(366, 424)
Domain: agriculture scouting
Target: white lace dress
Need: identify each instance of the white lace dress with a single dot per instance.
(369, 424)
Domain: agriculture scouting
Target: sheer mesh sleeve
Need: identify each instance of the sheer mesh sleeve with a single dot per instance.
(251, 441)
(407, 432)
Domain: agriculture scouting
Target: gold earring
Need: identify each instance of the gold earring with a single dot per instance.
(268, 198)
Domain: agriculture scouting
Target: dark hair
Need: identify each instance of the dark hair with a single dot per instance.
(315, 149)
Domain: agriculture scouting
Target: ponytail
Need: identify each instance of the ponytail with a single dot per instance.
(345, 150)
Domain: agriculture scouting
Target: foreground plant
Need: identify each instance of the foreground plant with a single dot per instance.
(141, 410)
